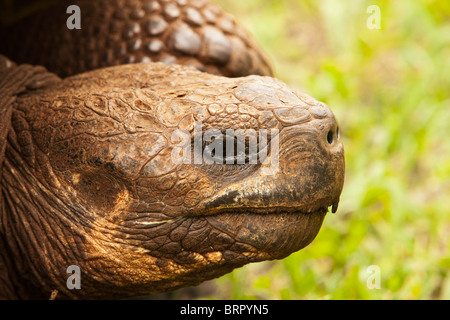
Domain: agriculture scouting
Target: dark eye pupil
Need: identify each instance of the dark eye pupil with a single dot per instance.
(330, 137)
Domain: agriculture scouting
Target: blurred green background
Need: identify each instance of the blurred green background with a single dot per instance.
(390, 90)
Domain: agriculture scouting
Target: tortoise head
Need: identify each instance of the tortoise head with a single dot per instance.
(172, 176)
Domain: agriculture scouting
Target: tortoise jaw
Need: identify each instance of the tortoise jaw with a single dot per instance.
(265, 236)
(270, 232)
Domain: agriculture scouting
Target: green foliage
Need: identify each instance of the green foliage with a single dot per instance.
(390, 90)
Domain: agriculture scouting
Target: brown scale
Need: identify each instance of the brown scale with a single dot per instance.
(87, 176)
(194, 33)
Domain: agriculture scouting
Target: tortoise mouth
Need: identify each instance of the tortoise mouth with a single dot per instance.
(320, 206)
(268, 233)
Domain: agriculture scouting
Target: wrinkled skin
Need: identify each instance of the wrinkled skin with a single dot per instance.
(107, 197)
(87, 179)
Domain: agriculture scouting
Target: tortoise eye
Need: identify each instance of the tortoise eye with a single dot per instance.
(226, 150)
(240, 147)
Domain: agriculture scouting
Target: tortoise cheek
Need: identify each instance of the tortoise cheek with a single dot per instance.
(100, 193)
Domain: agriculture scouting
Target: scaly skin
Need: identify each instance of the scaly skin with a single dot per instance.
(195, 33)
(88, 180)
(87, 176)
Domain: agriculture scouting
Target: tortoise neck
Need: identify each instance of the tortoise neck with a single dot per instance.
(32, 231)
(7, 290)
(13, 281)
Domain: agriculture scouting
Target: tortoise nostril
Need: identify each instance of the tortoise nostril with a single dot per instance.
(330, 137)
(337, 132)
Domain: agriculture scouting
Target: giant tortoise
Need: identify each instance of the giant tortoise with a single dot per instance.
(152, 150)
